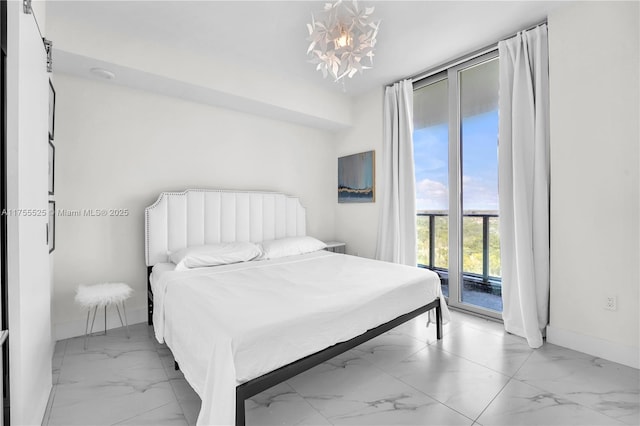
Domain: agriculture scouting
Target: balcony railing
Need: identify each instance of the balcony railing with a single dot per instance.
(480, 251)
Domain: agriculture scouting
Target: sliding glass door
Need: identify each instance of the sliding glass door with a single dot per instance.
(456, 161)
(431, 156)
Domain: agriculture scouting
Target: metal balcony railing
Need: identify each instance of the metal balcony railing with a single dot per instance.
(486, 276)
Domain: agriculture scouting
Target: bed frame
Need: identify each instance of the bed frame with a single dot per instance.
(198, 216)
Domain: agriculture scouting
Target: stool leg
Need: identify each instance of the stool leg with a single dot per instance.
(86, 329)
(124, 311)
(92, 320)
(105, 320)
(120, 316)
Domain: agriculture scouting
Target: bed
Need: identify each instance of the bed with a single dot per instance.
(239, 328)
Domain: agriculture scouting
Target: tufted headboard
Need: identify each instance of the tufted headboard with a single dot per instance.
(204, 216)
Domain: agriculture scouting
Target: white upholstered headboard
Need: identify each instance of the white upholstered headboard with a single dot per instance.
(203, 216)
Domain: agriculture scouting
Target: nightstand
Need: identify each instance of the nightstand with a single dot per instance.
(335, 246)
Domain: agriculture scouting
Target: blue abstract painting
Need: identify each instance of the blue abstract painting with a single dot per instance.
(356, 178)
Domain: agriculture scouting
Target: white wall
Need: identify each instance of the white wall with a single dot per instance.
(30, 342)
(119, 148)
(594, 170)
(357, 223)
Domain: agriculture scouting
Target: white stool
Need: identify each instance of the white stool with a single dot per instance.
(102, 295)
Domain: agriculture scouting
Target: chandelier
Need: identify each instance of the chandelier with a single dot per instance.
(342, 39)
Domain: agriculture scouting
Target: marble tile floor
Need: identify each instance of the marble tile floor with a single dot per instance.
(476, 375)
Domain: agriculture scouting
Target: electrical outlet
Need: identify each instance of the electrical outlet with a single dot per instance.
(611, 303)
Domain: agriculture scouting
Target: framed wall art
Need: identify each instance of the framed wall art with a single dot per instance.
(51, 226)
(52, 109)
(356, 178)
(52, 166)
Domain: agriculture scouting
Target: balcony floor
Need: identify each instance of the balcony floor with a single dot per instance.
(473, 296)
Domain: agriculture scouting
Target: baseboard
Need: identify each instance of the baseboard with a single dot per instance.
(47, 411)
(74, 328)
(616, 352)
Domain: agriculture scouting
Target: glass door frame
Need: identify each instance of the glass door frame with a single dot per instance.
(455, 187)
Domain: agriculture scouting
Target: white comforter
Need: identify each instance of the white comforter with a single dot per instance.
(229, 324)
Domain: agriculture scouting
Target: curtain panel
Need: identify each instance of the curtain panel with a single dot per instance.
(524, 183)
(397, 239)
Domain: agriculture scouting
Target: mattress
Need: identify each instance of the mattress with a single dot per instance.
(229, 324)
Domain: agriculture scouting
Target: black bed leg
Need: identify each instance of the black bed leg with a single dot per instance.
(439, 322)
(239, 410)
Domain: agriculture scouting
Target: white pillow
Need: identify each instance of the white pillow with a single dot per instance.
(214, 254)
(272, 249)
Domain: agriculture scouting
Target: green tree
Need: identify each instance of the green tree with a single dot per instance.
(472, 249)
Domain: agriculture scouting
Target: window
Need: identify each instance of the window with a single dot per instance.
(456, 165)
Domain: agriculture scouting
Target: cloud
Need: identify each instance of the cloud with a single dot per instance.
(432, 195)
(479, 194)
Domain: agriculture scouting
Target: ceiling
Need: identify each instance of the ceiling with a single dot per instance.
(271, 35)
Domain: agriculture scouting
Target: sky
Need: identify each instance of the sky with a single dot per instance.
(479, 164)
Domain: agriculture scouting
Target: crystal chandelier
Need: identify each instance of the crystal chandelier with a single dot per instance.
(342, 38)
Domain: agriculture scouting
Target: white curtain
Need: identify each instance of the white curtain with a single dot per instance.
(524, 183)
(397, 240)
